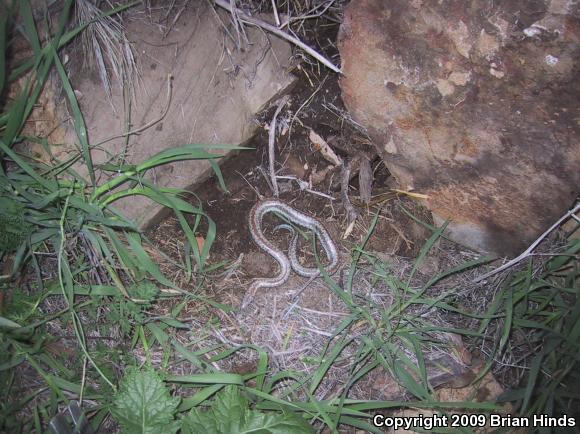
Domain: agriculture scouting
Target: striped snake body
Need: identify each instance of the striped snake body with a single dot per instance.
(257, 213)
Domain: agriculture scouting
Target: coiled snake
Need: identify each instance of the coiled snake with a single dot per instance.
(257, 213)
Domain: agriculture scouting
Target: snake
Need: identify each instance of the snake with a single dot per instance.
(257, 213)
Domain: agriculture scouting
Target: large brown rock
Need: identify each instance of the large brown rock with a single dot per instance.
(474, 104)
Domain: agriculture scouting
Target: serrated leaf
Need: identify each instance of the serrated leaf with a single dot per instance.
(229, 413)
(143, 292)
(143, 405)
(224, 416)
(275, 423)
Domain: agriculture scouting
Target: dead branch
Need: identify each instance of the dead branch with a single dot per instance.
(276, 31)
(530, 249)
(351, 212)
(271, 143)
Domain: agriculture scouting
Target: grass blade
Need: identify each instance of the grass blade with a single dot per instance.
(78, 119)
(30, 27)
(3, 30)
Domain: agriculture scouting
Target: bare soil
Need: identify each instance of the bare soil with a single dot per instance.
(294, 321)
(245, 177)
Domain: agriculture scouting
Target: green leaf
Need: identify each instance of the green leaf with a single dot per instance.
(13, 227)
(281, 423)
(229, 413)
(79, 121)
(143, 405)
(6, 323)
(144, 292)
(30, 27)
(224, 378)
(3, 25)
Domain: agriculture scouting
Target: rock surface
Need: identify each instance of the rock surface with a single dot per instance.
(474, 104)
(217, 90)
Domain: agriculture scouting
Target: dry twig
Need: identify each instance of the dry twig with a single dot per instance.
(149, 124)
(276, 31)
(529, 250)
(271, 143)
(351, 212)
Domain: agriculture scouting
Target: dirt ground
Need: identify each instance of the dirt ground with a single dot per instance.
(294, 321)
(245, 176)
